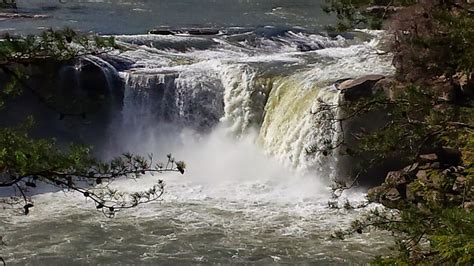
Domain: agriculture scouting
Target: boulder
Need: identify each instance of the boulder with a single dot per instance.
(395, 178)
(459, 184)
(432, 157)
(469, 205)
(202, 31)
(399, 179)
(374, 194)
(422, 175)
(303, 47)
(446, 156)
(386, 195)
(392, 195)
(411, 170)
(391, 198)
(382, 11)
(161, 32)
(358, 88)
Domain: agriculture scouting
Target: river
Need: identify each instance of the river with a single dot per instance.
(139, 16)
(237, 108)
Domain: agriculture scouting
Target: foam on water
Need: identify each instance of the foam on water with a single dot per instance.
(238, 112)
(234, 205)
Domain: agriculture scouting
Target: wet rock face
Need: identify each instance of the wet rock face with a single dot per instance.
(86, 82)
(73, 102)
(92, 80)
(420, 183)
(359, 90)
(363, 90)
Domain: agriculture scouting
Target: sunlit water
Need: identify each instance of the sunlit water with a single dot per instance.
(234, 205)
(236, 107)
(139, 16)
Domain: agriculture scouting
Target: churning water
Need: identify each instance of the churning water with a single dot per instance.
(237, 108)
(233, 206)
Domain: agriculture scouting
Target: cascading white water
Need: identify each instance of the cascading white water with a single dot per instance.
(290, 127)
(248, 89)
(244, 98)
(241, 113)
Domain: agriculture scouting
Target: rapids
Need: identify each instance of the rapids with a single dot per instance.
(236, 107)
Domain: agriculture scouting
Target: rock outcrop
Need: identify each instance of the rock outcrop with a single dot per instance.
(75, 100)
(354, 89)
(433, 180)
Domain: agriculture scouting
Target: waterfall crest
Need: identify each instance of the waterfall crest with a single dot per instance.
(247, 82)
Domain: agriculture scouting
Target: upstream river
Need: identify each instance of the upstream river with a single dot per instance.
(139, 16)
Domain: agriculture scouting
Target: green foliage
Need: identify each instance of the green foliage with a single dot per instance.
(453, 29)
(59, 45)
(26, 162)
(21, 155)
(453, 238)
(423, 236)
(431, 107)
(433, 38)
(429, 230)
(415, 122)
(20, 54)
(354, 14)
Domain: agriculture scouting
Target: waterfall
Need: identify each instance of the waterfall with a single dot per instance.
(247, 89)
(279, 108)
(244, 98)
(191, 98)
(243, 106)
(290, 127)
(109, 72)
